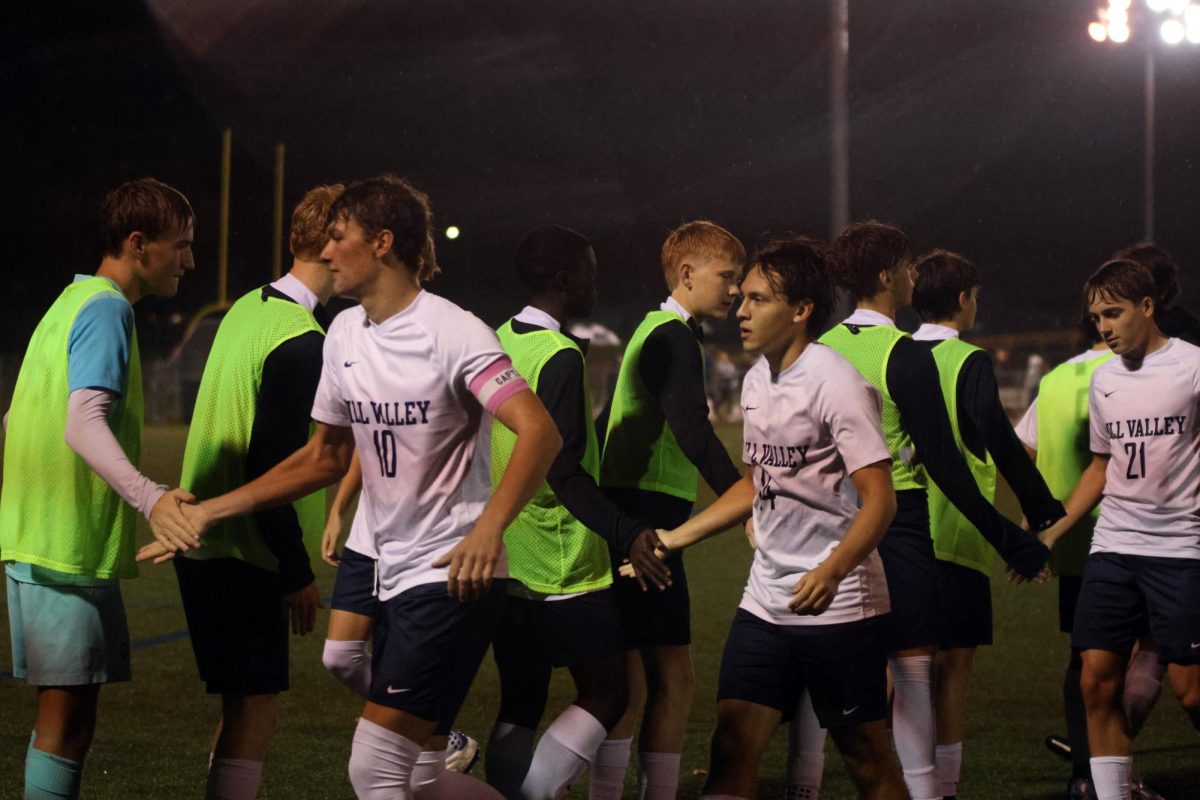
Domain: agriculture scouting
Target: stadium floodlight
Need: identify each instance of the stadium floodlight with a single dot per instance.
(452, 232)
(1172, 31)
(1116, 22)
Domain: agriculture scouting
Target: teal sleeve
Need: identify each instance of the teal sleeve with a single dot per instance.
(99, 345)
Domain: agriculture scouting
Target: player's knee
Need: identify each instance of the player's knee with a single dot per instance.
(1099, 688)
(346, 660)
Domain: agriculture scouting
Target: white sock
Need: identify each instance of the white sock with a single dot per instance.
(658, 775)
(432, 781)
(381, 763)
(1143, 685)
(350, 663)
(506, 761)
(563, 754)
(949, 767)
(913, 726)
(607, 780)
(233, 779)
(806, 753)
(1110, 777)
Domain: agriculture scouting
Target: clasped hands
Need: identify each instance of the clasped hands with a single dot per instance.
(177, 522)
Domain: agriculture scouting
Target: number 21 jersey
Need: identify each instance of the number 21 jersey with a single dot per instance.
(1143, 416)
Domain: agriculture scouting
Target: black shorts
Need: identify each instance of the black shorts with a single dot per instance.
(354, 586)
(559, 633)
(964, 606)
(1068, 600)
(653, 618)
(238, 625)
(428, 647)
(843, 667)
(911, 570)
(1121, 591)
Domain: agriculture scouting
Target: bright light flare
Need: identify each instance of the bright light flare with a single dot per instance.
(1158, 6)
(1172, 31)
(1118, 33)
(1118, 17)
(1098, 32)
(452, 232)
(1122, 5)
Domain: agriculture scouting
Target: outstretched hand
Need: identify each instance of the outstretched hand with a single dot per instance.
(646, 561)
(171, 526)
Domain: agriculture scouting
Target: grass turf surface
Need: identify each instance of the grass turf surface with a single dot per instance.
(154, 733)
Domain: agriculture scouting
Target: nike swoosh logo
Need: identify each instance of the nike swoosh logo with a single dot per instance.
(349, 363)
(1106, 394)
(390, 690)
(1196, 645)
(749, 408)
(848, 711)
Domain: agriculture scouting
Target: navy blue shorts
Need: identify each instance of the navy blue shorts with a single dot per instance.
(655, 618)
(843, 667)
(1068, 600)
(559, 633)
(912, 575)
(428, 647)
(1120, 592)
(237, 623)
(964, 606)
(354, 588)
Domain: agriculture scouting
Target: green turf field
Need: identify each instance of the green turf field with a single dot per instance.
(154, 734)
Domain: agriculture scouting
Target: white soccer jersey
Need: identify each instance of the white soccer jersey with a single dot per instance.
(804, 432)
(414, 391)
(1143, 415)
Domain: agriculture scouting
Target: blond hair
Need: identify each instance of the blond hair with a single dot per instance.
(699, 238)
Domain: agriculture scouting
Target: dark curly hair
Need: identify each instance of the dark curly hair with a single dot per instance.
(798, 269)
(391, 203)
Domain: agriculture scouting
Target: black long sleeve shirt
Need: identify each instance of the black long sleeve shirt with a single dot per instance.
(672, 370)
(912, 380)
(281, 426)
(561, 389)
(985, 428)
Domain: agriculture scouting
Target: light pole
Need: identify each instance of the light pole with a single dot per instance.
(1177, 21)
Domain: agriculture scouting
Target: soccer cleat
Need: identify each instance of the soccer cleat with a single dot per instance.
(1141, 791)
(1059, 746)
(461, 752)
(1080, 789)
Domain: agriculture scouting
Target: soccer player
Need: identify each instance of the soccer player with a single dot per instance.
(252, 411)
(811, 617)
(657, 441)
(560, 611)
(71, 484)
(1054, 432)
(876, 263)
(408, 381)
(946, 297)
(1171, 319)
(1145, 552)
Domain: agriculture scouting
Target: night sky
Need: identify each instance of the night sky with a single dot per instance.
(994, 128)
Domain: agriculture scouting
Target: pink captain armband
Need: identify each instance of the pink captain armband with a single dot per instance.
(498, 382)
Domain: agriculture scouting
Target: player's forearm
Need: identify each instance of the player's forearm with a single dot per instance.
(729, 509)
(1086, 494)
(869, 525)
(349, 488)
(318, 464)
(88, 434)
